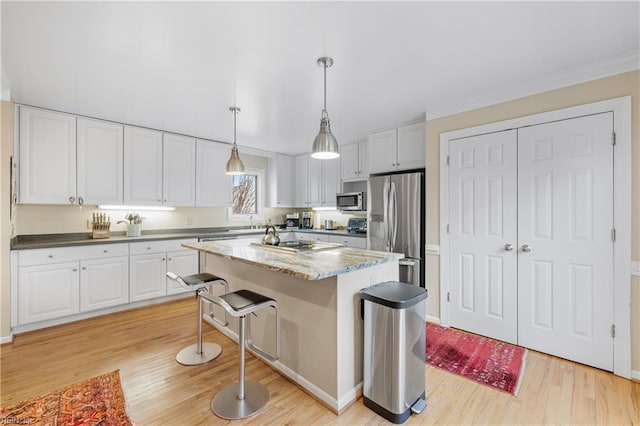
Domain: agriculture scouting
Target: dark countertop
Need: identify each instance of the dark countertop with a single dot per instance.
(36, 241)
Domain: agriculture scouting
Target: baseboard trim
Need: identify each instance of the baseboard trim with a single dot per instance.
(323, 397)
(6, 339)
(635, 375)
(434, 320)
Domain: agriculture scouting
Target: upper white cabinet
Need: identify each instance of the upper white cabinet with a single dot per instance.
(154, 177)
(69, 160)
(354, 161)
(99, 162)
(178, 170)
(213, 185)
(316, 181)
(142, 166)
(397, 149)
(47, 157)
(281, 186)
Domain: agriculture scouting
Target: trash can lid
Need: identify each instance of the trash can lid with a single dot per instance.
(394, 294)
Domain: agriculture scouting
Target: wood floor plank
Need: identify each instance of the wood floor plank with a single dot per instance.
(143, 343)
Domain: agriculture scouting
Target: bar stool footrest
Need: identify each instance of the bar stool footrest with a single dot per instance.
(190, 355)
(225, 403)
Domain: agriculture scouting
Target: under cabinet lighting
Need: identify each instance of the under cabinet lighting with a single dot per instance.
(318, 209)
(135, 208)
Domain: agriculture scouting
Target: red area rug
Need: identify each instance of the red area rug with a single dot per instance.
(96, 401)
(490, 362)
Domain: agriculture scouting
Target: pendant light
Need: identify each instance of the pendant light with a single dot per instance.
(325, 146)
(235, 165)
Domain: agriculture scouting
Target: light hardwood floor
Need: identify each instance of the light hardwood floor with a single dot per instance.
(143, 343)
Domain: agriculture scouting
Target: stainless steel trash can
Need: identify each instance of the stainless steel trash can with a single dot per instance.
(394, 349)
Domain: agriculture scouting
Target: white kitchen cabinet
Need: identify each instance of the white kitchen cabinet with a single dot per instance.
(142, 166)
(312, 236)
(356, 242)
(57, 282)
(213, 185)
(411, 146)
(184, 262)
(47, 157)
(316, 181)
(147, 276)
(99, 162)
(397, 149)
(148, 266)
(301, 188)
(178, 171)
(281, 181)
(48, 291)
(354, 161)
(104, 283)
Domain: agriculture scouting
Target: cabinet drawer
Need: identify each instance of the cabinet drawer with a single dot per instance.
(159, 246)
(49, 256)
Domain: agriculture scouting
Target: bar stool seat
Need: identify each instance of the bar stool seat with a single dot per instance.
(244, 398)
(199, 353)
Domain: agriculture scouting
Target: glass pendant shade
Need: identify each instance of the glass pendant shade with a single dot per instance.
(235, 166)
(325, 146)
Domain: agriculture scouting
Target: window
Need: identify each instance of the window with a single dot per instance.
(247, 195)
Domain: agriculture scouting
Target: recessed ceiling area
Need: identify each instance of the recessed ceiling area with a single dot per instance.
(179, 66)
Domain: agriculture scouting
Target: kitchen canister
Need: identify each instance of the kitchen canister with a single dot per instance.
(134, 230)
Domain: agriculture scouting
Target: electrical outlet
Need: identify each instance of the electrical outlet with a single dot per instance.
(635, 268)
(89, 224)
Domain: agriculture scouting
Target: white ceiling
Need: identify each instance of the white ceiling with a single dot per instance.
(179, 66)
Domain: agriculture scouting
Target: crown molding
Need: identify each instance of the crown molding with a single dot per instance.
(601, 69)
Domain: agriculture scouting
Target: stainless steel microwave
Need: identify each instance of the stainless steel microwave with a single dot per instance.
(351, 201)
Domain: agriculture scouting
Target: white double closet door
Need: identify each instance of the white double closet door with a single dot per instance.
(531, 216)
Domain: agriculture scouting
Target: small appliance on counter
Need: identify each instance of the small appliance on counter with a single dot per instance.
(307, 222)
(357, 225)
(330, 225)
(292, 221)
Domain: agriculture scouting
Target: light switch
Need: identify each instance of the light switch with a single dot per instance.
(635, 268)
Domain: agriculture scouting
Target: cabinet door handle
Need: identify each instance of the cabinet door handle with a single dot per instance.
(163, 259)
(105, 251)
(50, 256)
(148, 248)
(74, 270)
(170, 259)
(80, 201)
(84, 268)
(72, 200)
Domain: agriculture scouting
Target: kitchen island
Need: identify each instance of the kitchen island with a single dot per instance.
(318, 294)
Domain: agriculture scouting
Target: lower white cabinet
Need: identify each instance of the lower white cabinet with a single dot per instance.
(104, 283)
(355, 242)
(54, 283)
(183, 262)
(149, 263)
(48, 291)
(147, 276)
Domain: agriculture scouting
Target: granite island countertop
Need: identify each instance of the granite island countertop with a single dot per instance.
(305, 265)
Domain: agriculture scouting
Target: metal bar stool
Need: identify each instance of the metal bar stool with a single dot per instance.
(244, 399)
(200, 353)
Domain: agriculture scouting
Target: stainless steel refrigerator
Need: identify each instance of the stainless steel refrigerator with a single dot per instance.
(395, 213)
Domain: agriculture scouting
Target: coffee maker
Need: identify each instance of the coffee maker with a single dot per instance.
(307, 222)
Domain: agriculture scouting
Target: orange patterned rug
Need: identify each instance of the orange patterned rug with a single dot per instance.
(96, 401)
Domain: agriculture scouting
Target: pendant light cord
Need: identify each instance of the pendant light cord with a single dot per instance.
(324, 110)
(235, 114)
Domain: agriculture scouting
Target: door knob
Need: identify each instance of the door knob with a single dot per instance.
(508, 247)
(526, 248)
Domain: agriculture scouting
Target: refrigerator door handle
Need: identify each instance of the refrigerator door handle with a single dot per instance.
(385, 223)
(394, 220)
